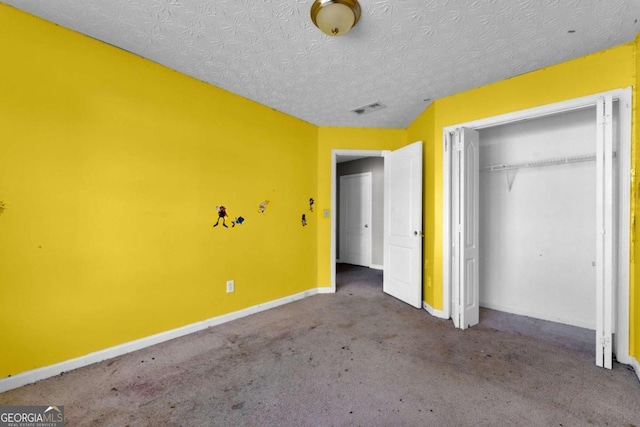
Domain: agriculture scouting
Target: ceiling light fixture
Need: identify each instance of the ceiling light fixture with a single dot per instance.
(335, 17)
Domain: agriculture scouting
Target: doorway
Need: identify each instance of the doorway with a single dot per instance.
(402, 219)
(346, 163)
(537, 217)
(356, 229)
(612, 241)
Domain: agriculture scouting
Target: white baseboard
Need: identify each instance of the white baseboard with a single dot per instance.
(377, 267)
(326, 290)
(34, 375)
(432, 311)
(537, 315)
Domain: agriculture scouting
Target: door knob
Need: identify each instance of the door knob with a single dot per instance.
(366, 226)
(418, 233)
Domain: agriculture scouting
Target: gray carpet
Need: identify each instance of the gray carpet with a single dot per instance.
(356, 358)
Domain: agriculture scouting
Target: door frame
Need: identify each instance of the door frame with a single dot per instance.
(623, 186)
(340, 215)
(335, 154)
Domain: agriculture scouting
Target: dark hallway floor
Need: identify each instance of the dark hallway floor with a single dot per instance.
(354, 358)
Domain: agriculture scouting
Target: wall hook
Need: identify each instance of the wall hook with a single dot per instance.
(511, 177)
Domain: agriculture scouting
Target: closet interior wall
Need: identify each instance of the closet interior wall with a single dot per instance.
(537, 221)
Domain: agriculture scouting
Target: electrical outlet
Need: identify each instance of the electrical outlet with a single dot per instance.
(231, 286)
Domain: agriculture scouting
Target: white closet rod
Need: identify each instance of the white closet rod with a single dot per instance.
(538, 163)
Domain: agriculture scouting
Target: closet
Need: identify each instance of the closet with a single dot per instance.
(537, 218)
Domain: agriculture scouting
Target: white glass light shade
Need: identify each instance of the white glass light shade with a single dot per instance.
(335, 17)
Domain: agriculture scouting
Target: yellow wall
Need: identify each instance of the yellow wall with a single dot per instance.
(330, 138)
(610, 69)
(111, 167)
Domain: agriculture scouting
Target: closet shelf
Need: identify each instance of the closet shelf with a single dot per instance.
(539, 163)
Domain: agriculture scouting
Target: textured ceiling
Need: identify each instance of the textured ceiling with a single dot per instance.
(402, 53)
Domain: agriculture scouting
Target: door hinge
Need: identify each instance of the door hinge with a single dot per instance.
(605, 342)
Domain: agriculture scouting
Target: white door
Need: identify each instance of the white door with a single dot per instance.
(465, 204)
(355, 219)
(604, 230)
(403, 224)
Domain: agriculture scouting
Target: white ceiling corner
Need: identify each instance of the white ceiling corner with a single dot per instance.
(400, 53)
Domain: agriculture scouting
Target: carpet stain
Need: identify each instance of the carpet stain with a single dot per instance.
(347, 324)
(232, 338)
(386, 336)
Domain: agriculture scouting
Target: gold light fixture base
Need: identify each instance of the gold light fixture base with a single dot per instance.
(335, 17)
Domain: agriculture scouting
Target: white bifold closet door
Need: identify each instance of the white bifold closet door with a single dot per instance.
(604, 231)
(465, 208)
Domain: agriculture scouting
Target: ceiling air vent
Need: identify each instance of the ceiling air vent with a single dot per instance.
(368, 108)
